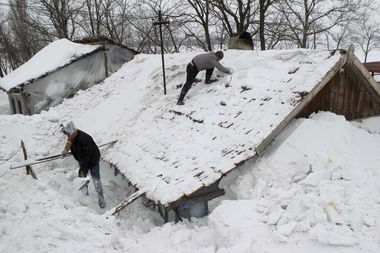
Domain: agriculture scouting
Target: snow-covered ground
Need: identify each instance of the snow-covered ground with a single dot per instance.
(316, 189)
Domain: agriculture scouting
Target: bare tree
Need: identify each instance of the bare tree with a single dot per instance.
(236, 15)
(202, 17)
(92, 17)
(311, 17)
(339, 35)
(367, 37)
(275, 31)
(263, 9)
(61, 14)
(4, 47)
(23, 38)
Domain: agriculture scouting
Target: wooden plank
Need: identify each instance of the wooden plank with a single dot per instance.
(29, 170)
(354, 96)
(341, 91)
(335, 94)
(126, 202)
(349, 96)
(359, 106)
(327, 102)
(261, 147)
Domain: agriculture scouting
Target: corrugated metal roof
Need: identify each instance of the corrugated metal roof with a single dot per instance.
(55, 55)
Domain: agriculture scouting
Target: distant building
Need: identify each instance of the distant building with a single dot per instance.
(374, 69)
(59, 70)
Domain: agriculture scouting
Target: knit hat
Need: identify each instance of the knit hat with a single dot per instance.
(69, 128)
(219, 54)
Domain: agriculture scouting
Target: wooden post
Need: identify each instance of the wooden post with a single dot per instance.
(28, 167)
(123, 204)
(105, 59)
(160, 23)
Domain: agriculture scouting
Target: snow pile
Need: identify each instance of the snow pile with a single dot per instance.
(57, 54)
(323, 180)
(316, 189)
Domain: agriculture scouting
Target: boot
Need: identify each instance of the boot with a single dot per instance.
(99, 190)
(180, 99)
(208, 81)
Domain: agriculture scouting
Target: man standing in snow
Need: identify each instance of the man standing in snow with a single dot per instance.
(207, 61)
(87, 153)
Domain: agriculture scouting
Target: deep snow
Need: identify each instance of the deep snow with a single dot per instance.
(316, 189)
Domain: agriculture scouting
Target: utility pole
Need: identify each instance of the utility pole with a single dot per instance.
(160, 23)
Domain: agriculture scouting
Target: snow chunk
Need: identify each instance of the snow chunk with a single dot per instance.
(236, 223)
(333, 235)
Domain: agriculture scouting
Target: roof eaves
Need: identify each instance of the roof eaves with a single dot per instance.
(101, 40)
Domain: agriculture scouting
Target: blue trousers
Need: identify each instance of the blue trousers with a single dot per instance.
(94, 171)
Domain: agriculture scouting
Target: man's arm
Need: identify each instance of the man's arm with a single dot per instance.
(68, 145)
(219, 66)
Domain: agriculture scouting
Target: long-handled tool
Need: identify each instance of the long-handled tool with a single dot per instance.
(49, 158)
(85, 185)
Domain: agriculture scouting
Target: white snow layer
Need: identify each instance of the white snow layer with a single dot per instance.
(317, 189)
(56, 54)
(170, 151)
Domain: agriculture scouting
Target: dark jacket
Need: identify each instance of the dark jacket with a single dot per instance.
(85, 150)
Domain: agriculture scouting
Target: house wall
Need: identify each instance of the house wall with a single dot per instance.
(117, 56)
(17, 103)
(345, 94)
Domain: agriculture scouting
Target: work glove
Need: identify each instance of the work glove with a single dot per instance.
(64, 153)
(229, 71)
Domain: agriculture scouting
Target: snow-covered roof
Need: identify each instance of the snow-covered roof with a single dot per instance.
(57, 54)
(170, 151)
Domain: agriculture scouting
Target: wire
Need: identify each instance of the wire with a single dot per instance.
(11, 156)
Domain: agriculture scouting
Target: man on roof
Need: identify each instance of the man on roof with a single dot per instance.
(207, 61)
(86, 152)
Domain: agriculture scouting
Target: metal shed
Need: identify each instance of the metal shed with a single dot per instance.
(59, 70)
